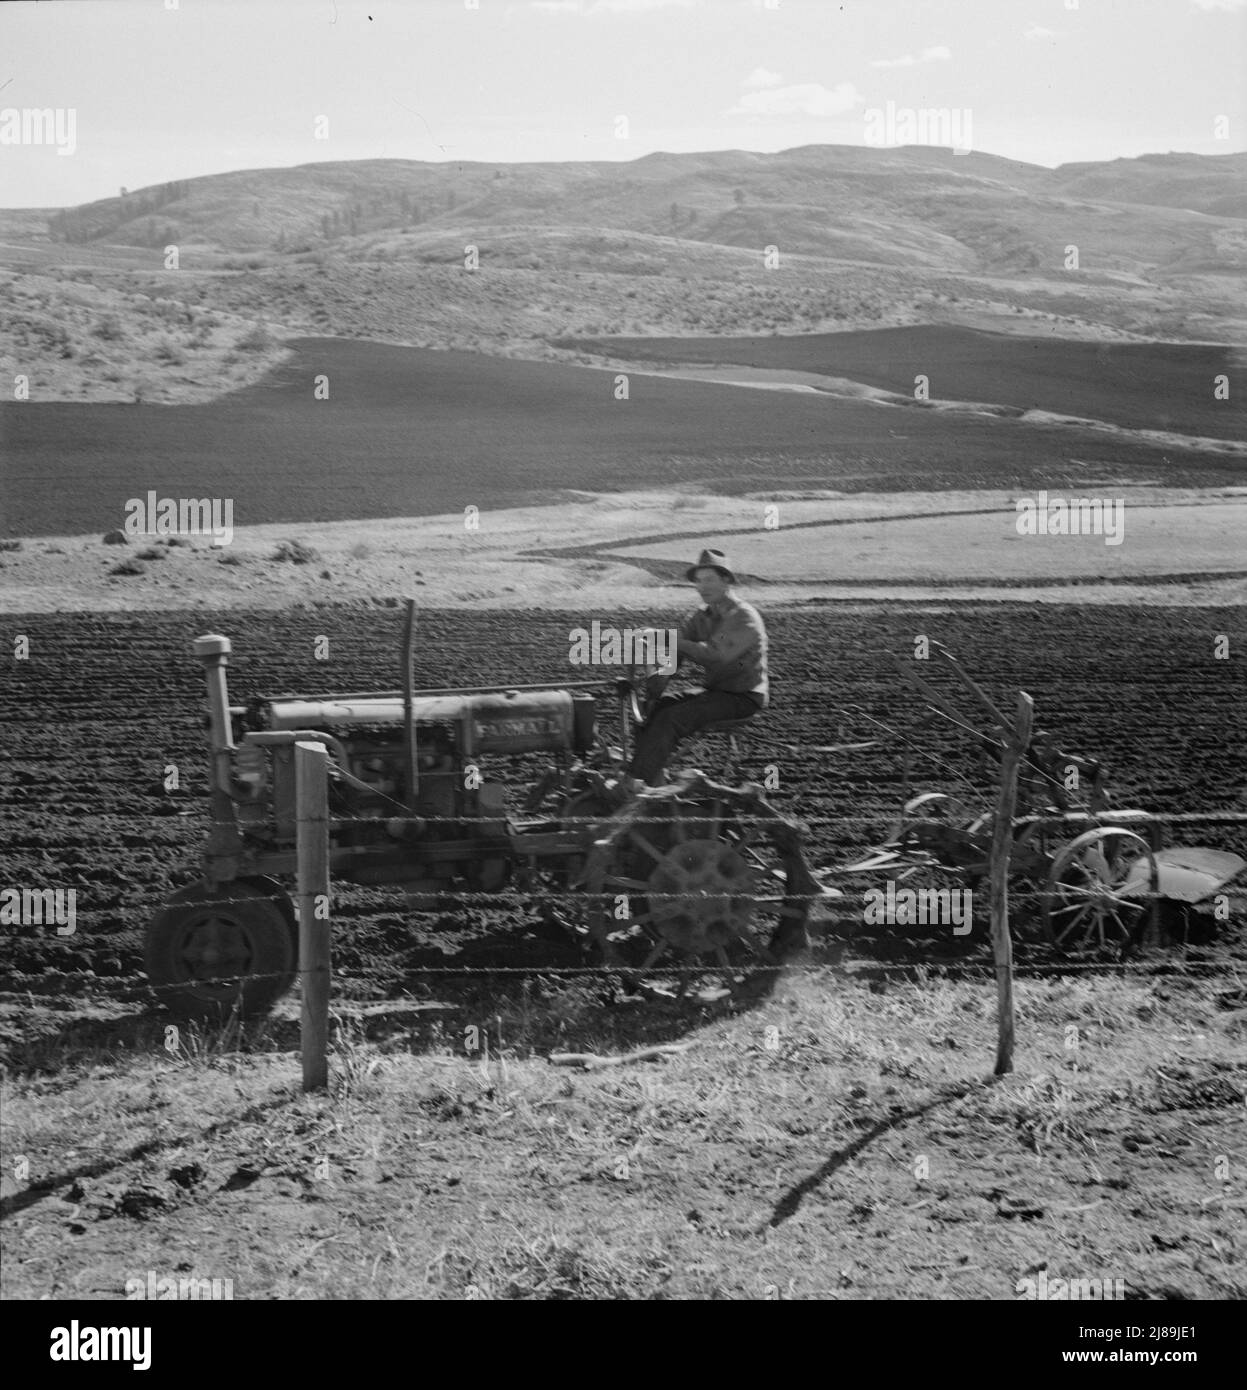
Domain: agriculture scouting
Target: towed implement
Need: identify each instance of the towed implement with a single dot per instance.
(1098, 875)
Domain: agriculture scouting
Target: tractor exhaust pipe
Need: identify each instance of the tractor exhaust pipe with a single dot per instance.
(214, 651)
(223, 841)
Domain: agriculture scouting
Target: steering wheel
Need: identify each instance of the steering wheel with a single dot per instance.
(645, 684)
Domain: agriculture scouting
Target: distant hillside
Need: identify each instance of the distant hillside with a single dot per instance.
(913, 205)
(1216, 186)
(664, 245)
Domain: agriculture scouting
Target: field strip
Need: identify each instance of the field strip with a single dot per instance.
(628, 550)
(844, 388)
(933, 514)
(1138, 544)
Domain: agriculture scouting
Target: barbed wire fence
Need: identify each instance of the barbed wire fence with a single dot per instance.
(315, 823)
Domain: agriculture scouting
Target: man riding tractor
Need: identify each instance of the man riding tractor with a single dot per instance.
(727, 639)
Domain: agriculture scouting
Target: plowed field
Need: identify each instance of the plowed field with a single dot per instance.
(412, 432)
(1139, 385)
(104, 704)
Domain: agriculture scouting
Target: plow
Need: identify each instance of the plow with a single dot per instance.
(1094, 876)
(422, 797)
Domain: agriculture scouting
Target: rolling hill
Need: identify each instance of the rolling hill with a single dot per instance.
(666, 245)
(883, 205)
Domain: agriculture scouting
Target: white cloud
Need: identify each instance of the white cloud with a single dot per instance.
(762, 77)
(939, 54)
(1230, 5)
(803, 99)
(1036, 33)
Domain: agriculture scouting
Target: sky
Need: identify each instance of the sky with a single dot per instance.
(147, 91)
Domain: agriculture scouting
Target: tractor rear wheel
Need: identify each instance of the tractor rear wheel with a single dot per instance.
(699, 875)
(210, 952)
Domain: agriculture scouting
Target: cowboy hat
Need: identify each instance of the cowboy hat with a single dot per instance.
(711, 560)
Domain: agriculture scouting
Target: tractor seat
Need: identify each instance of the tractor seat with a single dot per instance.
(730, 728)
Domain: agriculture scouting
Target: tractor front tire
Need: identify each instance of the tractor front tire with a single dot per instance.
(210, 953)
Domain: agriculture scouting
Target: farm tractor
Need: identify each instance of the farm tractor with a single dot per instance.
(695, 872)
(1091, 875)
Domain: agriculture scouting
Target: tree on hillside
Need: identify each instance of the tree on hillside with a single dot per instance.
(92, 221)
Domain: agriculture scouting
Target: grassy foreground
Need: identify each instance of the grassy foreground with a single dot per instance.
(833, 1138)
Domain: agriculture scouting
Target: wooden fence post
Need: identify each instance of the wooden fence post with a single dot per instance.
(1002, 847)
(311, 785)
(409, 718)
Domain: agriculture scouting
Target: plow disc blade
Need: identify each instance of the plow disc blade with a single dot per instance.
(1185, 875)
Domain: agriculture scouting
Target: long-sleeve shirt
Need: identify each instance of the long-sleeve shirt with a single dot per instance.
(735, 635)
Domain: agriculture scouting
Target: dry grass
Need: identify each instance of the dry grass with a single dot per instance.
(832, 1140)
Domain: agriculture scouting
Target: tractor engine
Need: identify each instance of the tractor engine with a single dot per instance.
(453, 830)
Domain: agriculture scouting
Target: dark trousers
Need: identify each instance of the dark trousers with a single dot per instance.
(673, 718)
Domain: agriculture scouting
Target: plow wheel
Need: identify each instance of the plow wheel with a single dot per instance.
(698, 874)
(937, 806)
(1084, 905)
(935, 818)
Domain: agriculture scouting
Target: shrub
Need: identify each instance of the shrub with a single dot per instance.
(10, 545)
(151, 553)
(168, 351)
(229, 557)
(257, 340)
(116, 538)
(295, 552)
(109, 328)
(127, 567)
